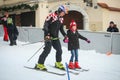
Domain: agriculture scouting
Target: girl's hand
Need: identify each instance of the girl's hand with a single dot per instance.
(88, 41)
(66, 40)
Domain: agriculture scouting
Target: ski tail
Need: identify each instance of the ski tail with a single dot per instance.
(51, 72)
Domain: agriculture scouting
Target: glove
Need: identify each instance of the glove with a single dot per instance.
(47, 37)
(66, 40)
(88, 41)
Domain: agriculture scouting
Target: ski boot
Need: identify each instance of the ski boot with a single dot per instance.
(59, 65)
(71, 65)
(77, 65)
(41, 67)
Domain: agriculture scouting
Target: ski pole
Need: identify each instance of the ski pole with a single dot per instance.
(32, 43)
(35, 53)
(40, 41)
(67, 71)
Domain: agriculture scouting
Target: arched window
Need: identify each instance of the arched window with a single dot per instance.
(77, 16)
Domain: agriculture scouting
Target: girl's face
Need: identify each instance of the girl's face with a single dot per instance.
(74, 28)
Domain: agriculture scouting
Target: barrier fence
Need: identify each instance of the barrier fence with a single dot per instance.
(102, 42)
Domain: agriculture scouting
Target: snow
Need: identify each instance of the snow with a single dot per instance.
(14, 58)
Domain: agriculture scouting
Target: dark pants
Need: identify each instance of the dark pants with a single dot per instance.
(56, 45)
(12, 35)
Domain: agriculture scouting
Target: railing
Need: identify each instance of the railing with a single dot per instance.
(102, 42)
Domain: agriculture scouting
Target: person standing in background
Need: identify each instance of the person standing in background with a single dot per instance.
(112, 27)
(4, 23)
(9, 29)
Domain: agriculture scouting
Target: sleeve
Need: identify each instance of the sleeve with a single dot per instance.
(117, 30)
(62, 31)
(109, 29)
(0, 21)
(4, 21)
(81, 37)
(68, 33)
(16, 30)
(48, 21)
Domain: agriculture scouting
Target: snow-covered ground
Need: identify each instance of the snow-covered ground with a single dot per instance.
(14, 58)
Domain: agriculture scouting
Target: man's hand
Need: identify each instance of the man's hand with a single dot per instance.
(47, 38)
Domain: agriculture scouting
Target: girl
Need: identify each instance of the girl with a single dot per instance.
(73, 44)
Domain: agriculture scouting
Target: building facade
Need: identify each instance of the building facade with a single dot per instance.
(91, 18)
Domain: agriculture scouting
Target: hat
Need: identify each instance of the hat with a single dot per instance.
(62, 9)
(73, 23)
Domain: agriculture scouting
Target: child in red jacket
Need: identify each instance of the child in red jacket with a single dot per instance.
(73, 44)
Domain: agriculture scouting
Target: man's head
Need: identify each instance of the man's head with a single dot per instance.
(111, 24)
(62, 10)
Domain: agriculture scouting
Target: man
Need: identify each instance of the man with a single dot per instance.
(52, 25)
(112, 27)
(11, 29)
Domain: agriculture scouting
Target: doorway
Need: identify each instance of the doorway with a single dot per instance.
(74, 15)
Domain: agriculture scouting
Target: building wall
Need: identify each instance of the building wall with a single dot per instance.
(113, 3)
(90, 21)
(52, 6)
(94, 19)
(41, 14)
(110, 15)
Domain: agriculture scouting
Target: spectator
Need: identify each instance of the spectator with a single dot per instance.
(112, 27)
(4, 23)
(11, 29)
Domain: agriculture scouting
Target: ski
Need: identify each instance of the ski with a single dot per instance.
(70, 71)
(81, 70)
(51, 72)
